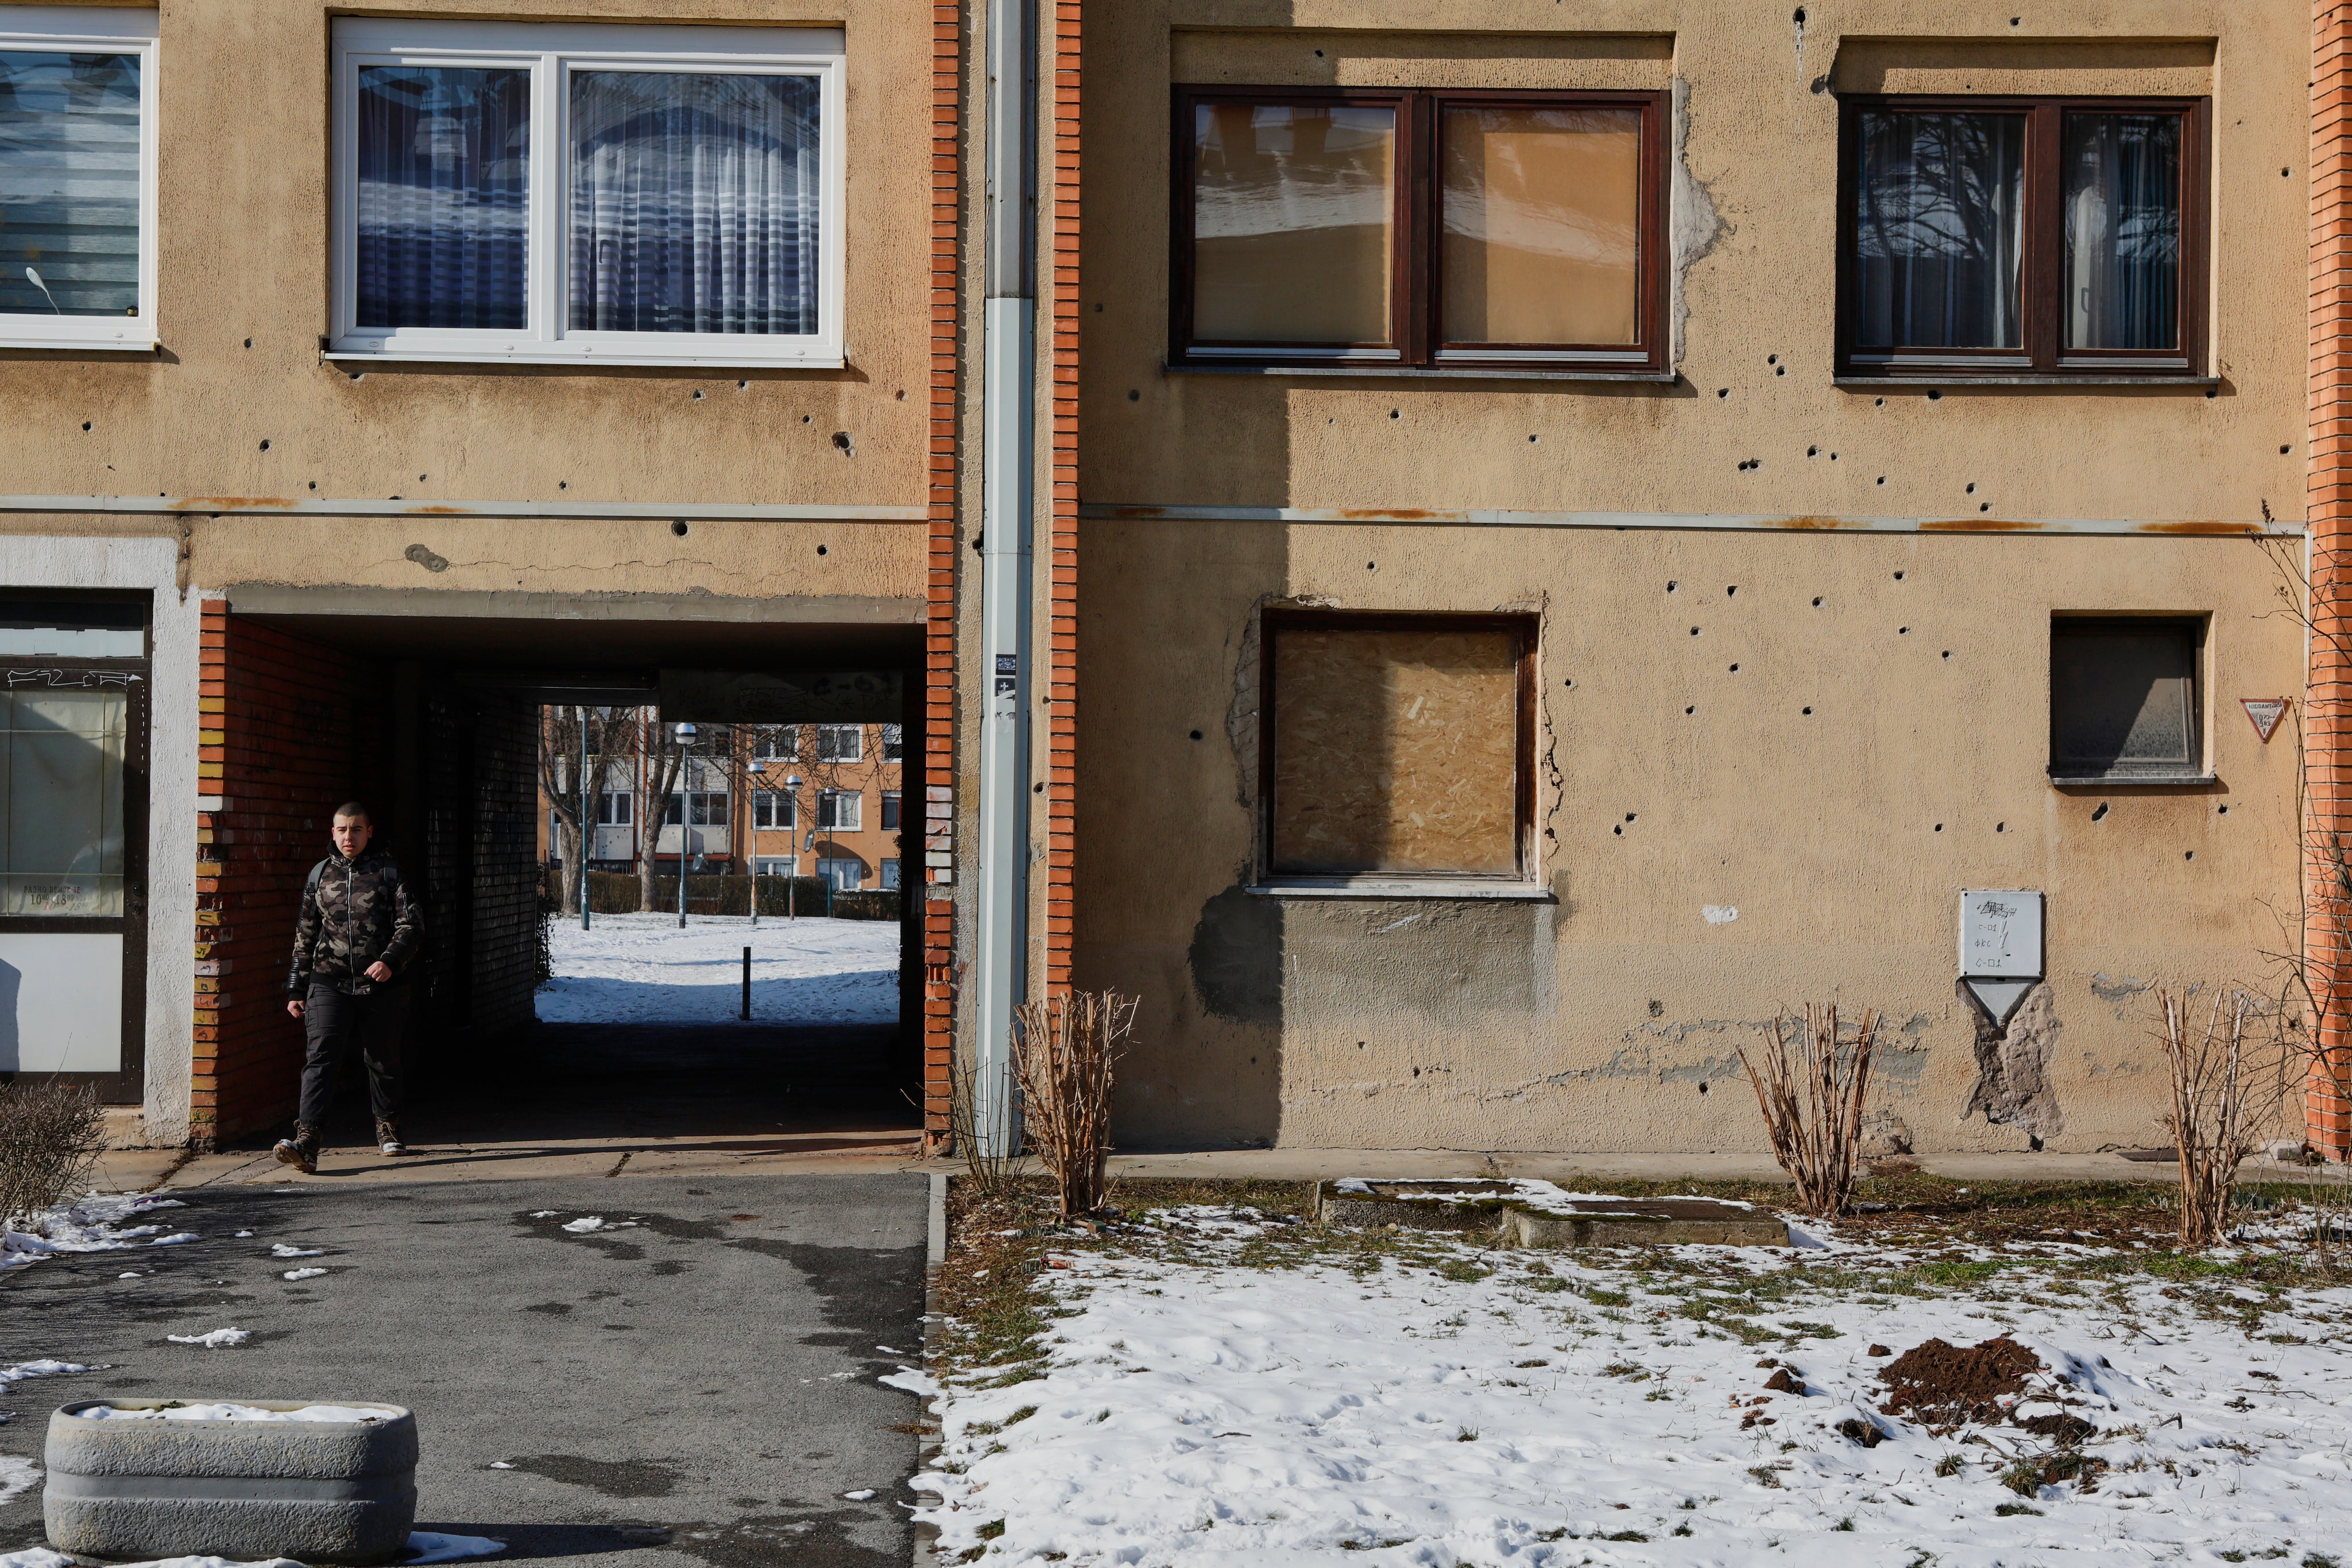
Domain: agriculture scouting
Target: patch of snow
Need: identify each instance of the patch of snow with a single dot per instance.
(587, 1223)
(92, 1224)
(16, 1475)
(921, 1384)
(226, 1412)
(501, 1465)
(431, 1546)
(1546, 1197)
(1195, 1414)
(545, 1213)
(301, 1273)
(213, 1340)
(243, 1234)
(642, 969)
(284, 1249)
(43, 1368)
(861, 1495)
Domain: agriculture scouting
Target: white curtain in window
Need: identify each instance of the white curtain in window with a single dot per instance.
(694, 201)
(1939, 231)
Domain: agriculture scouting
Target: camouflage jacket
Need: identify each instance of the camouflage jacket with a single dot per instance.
(354, 912)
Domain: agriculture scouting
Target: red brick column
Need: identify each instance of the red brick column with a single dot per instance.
(1062, 677)
(2328, 692)
(276, 751)
(935, 886)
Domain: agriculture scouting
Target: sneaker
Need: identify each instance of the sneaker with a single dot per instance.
(301, 1150)
(387, 1138)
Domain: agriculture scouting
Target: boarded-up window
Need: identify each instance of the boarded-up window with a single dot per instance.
(1396, 746)
(2123, 698)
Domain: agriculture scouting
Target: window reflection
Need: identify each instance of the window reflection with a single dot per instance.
(1292, 223)
(61, 764)
(1939, 231)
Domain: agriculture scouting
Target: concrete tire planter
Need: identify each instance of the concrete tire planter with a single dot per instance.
(320, 1491)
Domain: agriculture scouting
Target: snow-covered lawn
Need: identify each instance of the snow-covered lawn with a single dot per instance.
(1224, 1386)
(642, 969)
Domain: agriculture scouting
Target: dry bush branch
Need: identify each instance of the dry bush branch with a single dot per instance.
(1063, 1049)
(51, 1134)
(990, 1164)
(1811, 1085)
(2219, 1109)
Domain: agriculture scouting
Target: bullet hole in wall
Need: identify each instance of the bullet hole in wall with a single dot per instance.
(1731, 591)
(820, 549)
(1630, 816)
(1723, 391)
(806, 417)
(1619, 831)
(1817, 601)
(314, 484)
(1882, 403)
(1940, 826)
(1735, 669)
(1396, 413)
(1372, 566)
(1038, 788)
(563, 483)
(697, 394)
(1771, 359)
(1898, 576)
(1984, 505)
(1672, 584)
(2213, 393)
(264, 445)
(1948, 653)
(1196, 735)
(1688, 711)
(420, 478)
(844, 444)
(1783, 370)
(1812, 452)
(1833, 457)
(249, 342)
(1693, 630)
(1808, 713)
(1903, 630)
(745, 386)
(85, 424)
(1934, 395)
(1751, 462)
(1881, 478)
(1134, 394)
(2284, 174)
(1532, 440)
(2282, 451)
(2101, 814)
(679, 528)
(1569, 682)
(900, 396)
(2001, 827)
(1972, 487)
(2225, 810)
(2189, 855)
(1657, 1008)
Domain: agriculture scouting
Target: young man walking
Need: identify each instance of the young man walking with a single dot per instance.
(358, 929)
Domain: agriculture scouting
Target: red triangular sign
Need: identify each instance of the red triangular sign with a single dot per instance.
(2264, 712)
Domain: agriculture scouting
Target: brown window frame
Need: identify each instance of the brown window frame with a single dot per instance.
(1416, 289)
(2193, 627)
(2041, 268)
(1527, 629)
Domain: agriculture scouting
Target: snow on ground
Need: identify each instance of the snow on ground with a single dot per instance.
(92, 1224)
(1209, 1396)
(424, 1546)
(229, 1412)
(642, 969)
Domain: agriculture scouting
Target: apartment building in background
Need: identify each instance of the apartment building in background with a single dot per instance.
(1469, 557)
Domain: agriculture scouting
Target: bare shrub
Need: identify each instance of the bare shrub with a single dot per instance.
(1063, 1049)
(51, 1134)
(1810, 1083)
(2219, 1088)
(990, 1162)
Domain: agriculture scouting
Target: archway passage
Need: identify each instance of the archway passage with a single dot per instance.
(437, 722)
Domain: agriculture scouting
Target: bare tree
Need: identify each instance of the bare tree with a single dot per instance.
(1063, 1050)
(2314, 951)
(1811, 1085)
(661, 758)
(560, 732)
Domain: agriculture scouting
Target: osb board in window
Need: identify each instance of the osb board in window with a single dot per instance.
(1395, 751)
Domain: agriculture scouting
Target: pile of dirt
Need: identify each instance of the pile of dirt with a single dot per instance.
(1943, 1386)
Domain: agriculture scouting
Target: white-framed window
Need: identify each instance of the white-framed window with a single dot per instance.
(560, 193)
(894, 743)
(777, 743)
(771, 808)
(840, 742)
(773, 867)
(842, 809)
(890, 873)
(76, 178)
(847, 875)
(612, 809)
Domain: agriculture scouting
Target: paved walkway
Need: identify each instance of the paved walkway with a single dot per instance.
(693, 1383)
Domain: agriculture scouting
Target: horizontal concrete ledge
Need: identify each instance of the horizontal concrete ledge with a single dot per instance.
(1446, 887)
(2128, 780)
(281, 599)
(332, 506)
(1765, 522)
(1432, 372)
(1931, 381)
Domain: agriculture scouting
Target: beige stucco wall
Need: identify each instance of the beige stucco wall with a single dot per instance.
(1593, 1023)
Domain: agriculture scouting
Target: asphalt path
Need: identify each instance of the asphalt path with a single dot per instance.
(694, 1383)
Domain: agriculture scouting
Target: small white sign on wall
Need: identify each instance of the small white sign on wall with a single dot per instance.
(2000, 947)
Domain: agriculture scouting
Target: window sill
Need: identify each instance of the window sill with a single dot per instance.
(1491, 889)
(1927, 380)
(576, 358)
(2129, 780)
(1426, 373)
(84, 345)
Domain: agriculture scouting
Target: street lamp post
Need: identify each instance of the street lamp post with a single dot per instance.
(793, 882)
(751, 837)
(685, 811)
(587, 818)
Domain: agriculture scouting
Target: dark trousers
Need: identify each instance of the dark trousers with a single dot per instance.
(337, 1024)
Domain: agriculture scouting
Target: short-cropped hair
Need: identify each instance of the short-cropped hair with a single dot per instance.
(356, 810)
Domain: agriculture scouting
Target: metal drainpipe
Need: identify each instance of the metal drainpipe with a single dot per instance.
(1008, 391)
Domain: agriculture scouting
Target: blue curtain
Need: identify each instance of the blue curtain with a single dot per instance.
(2123, 230)
(444, 187)
(694, 202)
(1939, 230)
(70, 183)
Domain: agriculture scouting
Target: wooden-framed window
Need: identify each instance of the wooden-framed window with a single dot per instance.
(2127, 699)
(1418, 227)
(1397, 745)
(2023, 236)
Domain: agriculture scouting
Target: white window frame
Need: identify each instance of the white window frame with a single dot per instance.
(60, 30)
(829, 739)
(854, 800)
(550, 51)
